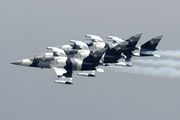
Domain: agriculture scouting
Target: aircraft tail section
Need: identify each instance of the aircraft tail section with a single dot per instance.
(117, 50)
(114, 54)
(151, 44)
(133, 40)
(121, 46)
(95, 56)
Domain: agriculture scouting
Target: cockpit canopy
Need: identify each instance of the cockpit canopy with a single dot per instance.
(45, 57)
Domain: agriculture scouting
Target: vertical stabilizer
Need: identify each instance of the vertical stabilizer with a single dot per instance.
(114, 54)
(133, 40)
(95, 56)
(151, 44)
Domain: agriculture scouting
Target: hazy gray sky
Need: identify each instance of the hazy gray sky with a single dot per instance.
(27, 27)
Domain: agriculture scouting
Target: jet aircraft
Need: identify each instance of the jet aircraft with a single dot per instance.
(63, 65)
(88, 56)
(132, 41)
(148, 48)
(112, 54)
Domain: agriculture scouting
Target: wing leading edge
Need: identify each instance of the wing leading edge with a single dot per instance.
(64, 76)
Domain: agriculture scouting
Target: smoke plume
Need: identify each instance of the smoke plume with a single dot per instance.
(156, 67)
(144, 70)
(169, 53)
(159, 62)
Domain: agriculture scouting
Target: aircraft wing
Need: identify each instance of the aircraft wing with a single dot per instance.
(65, 76)
(115, 39)
(95, 38)
(59, 51)
(87, 73)
(81, 44)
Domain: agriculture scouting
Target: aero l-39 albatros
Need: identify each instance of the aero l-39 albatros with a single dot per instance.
(147, 49)
(112, 54)
(63, 65)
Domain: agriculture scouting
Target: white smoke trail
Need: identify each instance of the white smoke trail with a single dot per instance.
(169, 53)
(164, 68)
(162, 71)
(163, 63)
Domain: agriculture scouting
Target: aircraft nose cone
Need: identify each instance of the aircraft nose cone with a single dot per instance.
(17, 62)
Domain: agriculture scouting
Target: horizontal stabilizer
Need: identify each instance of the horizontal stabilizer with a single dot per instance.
(123, 64)
(120, 64)
(63, 82)
(99, 69)
(87, 74)
(157, 55)
(136, 54)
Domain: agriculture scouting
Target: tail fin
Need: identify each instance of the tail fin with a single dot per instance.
(114, 54)
(95, 57)
(117, 50)
(121, 46)
(133, 40)
(151, 44)
(131, 46)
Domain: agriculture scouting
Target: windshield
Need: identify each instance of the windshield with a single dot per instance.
(43, 57)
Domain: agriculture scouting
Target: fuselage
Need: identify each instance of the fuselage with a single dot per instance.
(47, 60)
(110, 56)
